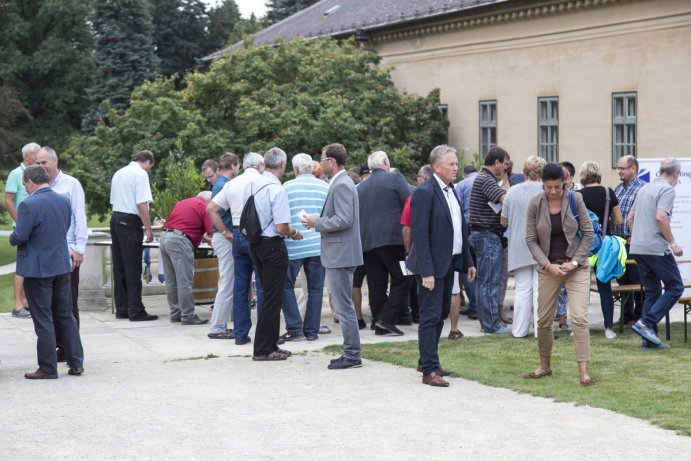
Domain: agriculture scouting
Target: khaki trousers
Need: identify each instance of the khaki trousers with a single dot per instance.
(577, 284)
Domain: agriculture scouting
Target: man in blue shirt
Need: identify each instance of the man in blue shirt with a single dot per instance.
(222, 243)
(306, 194)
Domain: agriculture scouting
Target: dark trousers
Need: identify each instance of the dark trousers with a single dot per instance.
(74, 286)
(414, 302)
(380, 264)
(126, 255)
(270, 257)
(50, 296)
(633, 310)
(434, 308)
(653, 270)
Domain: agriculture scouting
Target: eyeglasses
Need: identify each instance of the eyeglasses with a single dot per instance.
(328, 158)
(622, 168)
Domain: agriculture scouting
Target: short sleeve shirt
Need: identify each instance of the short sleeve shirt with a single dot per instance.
(130, 186)
(406, 215)
(485, 189)
(271, 203)
(595, 198)
(15, 185)
(226, 215)
(646, 238)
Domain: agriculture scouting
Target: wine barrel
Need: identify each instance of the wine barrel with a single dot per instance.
(205, 284)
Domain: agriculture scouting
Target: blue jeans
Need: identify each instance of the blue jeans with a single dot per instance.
(314, 272)
(471, 290)
(488, 280)
(654, 269)
(242, 321)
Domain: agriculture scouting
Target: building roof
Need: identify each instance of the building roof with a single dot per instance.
(338, 18)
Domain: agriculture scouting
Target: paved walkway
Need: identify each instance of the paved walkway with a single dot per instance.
(147, 395)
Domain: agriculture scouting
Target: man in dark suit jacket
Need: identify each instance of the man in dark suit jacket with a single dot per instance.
(440, 246)
(382, 198)
(43, 259)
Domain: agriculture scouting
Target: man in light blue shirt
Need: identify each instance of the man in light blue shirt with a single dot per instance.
(269, 254)
(15, 193)
(77, 234)
(306, 195)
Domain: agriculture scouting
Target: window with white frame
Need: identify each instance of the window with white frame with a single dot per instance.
(488, 126)
(624, 112)
(548, 128)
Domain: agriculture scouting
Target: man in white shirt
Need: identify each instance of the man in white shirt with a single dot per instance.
(77, 234)
(130, 195)
(231, 197)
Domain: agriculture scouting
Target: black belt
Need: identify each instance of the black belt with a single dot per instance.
(178, 232)
(126, 214)
(496, 230)
(278, 238)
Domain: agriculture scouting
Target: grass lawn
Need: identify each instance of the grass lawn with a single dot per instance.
(651, 385)
(8, 253)
(6, 292)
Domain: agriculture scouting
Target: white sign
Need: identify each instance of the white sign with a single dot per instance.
(649, 170)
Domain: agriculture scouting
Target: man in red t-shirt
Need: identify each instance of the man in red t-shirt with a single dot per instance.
(187, 224)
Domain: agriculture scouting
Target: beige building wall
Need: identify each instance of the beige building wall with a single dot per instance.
(582, 57)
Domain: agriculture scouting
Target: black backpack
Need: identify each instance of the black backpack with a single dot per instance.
(250, 226)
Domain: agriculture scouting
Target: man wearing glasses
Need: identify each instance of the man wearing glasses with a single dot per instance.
(626, 192)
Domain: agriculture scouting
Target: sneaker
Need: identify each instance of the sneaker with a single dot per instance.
(242, 341)
(312, 337)
(646, 332)
(293, 337)
(342, 363)
(502, 330)
(609, 334)
(648, 346)
(194, 320)
(22, 313)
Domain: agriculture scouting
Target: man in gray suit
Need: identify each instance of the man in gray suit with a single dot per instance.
(341, 249)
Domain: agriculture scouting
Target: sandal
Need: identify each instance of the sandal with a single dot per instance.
(588, 382)
(323, 330)
(455, 334)
(533, 375)
(274, 356)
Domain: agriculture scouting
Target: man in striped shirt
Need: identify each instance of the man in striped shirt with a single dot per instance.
(486, 236)
(306, 194)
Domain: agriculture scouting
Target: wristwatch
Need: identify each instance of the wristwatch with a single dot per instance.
(574, 262)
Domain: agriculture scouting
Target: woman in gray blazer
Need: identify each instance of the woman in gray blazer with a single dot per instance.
(562, 258)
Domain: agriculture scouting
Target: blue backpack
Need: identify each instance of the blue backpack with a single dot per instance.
(597, 228)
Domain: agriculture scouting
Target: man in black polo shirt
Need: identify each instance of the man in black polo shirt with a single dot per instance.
(486, 236)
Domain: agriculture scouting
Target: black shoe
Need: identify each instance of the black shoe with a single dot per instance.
(381, 332)
(372, 327)
(241, 341)
(194, 321)
(120, 316)
(361, 324)
(390, 328)
(342, 363)
(75, 371)
(61, 356)
(405, 321)
(312, 337)
(144, 317)
(473, 316)
(175, 319)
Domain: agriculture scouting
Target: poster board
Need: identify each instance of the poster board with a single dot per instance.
(649, 170)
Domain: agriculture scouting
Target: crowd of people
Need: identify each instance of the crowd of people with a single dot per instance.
(418, 248)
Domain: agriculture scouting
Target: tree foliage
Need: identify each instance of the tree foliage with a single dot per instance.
(223, 21)
(45, 50)
(298, 96)
(182, 180)
(124, 54)
(11, 111)
(278, 10)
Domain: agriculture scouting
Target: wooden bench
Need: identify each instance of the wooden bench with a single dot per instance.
(622, 293)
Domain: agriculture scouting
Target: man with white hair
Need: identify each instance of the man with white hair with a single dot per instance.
(77, 234)
(654, 248)
(15, 193)
(184, 230)
(306, 194)
(269, 253)
(231, 198)
(382, 198)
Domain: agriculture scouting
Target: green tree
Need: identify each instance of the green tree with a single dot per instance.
(45, 50)
(11, 111)
(298, 96)
(278, 10)
(222, 22)
(245, 28)
(182, 180)
(124, 55)
(180, 34)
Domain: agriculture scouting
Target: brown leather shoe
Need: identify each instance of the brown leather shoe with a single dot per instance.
(434, 379)
(441, 371)
(39, 374)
